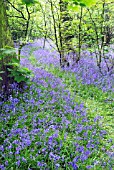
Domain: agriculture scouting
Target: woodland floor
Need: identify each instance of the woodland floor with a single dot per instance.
(60, 122)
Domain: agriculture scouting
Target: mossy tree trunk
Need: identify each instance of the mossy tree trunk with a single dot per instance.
(5, 36)
(65, 32)
(5, 40)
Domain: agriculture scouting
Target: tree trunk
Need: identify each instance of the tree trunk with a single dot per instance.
(65, 35)
(5, 40)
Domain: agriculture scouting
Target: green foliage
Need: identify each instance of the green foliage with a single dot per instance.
(82, 3)
(6, 54)
(7, 51)
(29, 2)
(1, 73)
(16, 71)
(19, 73)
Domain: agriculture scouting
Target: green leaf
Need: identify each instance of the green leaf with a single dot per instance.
(74, 8)
(13, 64)
(7, 51)
(82, 5)
(29, 2)
(1, 57)
(20, 78)
(25, 70)
(2, 72)
(15, 60)
(9, 69)
(89, 2)
(75, 2)
(1, 78)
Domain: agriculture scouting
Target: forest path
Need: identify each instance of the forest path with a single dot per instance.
(92, 97)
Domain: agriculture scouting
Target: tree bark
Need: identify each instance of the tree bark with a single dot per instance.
(5, 40)
(65, 38)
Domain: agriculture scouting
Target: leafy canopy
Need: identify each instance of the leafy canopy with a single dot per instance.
(82, 3)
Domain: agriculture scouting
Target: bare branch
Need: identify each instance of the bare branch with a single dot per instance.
(16, 16)
(22, 15)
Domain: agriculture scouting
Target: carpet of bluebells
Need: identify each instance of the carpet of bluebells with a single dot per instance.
(86, 69)
(43, 128)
